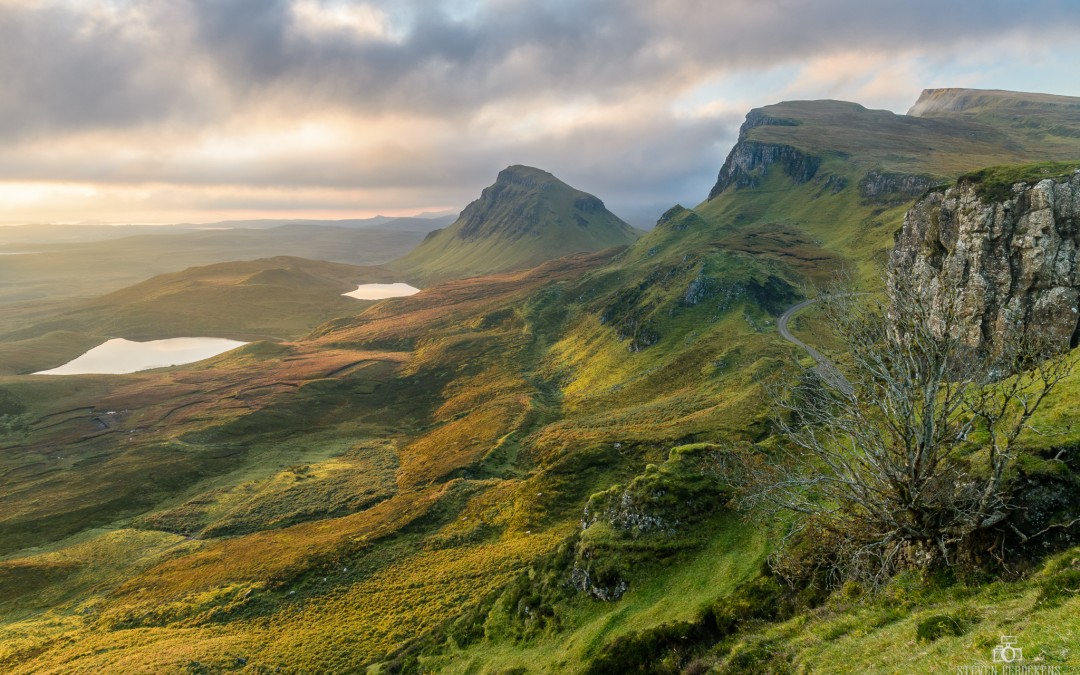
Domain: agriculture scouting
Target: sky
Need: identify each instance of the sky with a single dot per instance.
(164, 111)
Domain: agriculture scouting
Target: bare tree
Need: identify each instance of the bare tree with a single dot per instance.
(909, 459)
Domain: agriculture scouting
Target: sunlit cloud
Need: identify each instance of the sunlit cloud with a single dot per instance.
(363, 21)
(353, 107)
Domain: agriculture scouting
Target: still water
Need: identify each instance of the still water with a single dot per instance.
(382, 291)
(119, 356)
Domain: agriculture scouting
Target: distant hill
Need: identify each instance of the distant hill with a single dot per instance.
(282, 297)
(526, 217)
(422, 223)
(25, 237)
(950, 101)
(60, 272)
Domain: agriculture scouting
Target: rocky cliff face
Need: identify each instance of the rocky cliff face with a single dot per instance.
(748, 160)
(1014, 262)
(884, 186)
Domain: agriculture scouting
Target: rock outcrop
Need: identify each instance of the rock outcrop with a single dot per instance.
(1014, 263)
(625, 526)
(748, 160)
(524, 201)
(679, 219)
(888, 187)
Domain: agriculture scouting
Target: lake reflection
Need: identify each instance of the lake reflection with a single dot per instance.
(118, 356)
(382, 291)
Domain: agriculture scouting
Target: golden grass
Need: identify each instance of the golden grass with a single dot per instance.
(272, 557)
(399, 603)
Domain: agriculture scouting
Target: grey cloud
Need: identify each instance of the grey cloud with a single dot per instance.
(770, 31)
(628, 164)
(523, 48)
(442, 65)
(64, 71)
(181, 65)
(634, 166)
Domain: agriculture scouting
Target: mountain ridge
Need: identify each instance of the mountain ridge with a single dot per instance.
(958, 100)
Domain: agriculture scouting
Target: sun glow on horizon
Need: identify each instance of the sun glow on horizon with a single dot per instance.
(185, 111)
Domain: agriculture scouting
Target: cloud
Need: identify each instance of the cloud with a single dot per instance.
(425, 100)
(67, 68)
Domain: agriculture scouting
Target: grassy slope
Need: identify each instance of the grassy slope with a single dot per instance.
(885, 633)
(499, 405)
(267, 468)
(677, 592)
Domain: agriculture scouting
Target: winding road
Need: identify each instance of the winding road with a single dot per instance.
(825, 368)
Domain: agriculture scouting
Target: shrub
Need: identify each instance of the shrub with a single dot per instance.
(657, 651)
(943, 625)
(763, 599)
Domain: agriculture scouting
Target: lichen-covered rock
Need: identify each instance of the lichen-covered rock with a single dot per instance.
(1014, 263)
(834, 184)
(606, 589)
(700, 288)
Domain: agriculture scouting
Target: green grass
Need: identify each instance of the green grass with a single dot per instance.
(678, 591)
(994, 184)
(888, 633)
(45, 351)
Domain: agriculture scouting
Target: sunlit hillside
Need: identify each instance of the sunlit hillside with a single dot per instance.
(510, 471)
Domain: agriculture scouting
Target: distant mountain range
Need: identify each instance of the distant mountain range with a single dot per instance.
(23, 235)
(424, 222)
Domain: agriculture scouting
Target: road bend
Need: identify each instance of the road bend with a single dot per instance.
(825, 368)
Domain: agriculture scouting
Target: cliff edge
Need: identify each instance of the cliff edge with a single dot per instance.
(1010, 249)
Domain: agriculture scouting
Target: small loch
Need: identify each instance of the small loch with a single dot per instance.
(382, 291)
(119, 356)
